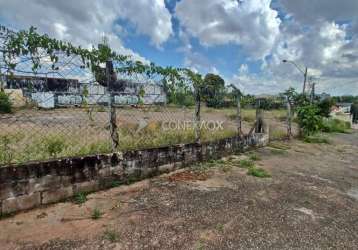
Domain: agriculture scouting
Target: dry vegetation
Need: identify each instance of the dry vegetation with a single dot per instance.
(30, 134)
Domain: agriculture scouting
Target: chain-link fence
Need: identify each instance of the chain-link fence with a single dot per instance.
(66, 110)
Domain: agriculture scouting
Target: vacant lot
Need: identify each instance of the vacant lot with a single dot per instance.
(310, 201)
(43, 134)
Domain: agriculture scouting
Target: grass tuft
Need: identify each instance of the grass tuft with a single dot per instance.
(96, 214)
(111, 236)
(80, 198)
(258, 172)
(246, 164)
(318, 139)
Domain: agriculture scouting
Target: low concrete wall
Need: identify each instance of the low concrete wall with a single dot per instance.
(33, 184)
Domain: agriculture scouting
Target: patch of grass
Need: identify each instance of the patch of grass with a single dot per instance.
(80, 198)
(226, 168)
(258, 172)
(111, 236)
(246, 163)
(199, 245)
(254, 157)
(336, 126)
(278, 145)
(276, 151)
(54, 145)
(96, 214)
(115, 184)
(318, 139)
(220, 227)
(277, 133)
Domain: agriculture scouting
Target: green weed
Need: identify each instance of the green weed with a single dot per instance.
(246, 163)
(96, 214)
(111, 236)
(80, 198)
(258, 172)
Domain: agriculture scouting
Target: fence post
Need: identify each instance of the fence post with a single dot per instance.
(197, 116)
(259, 118)
(239, 114)
(111, 108)
(289, 119)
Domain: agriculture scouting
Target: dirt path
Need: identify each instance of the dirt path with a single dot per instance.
(311, 201)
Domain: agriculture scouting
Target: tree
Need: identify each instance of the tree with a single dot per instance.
(325, 106)
(213, 91)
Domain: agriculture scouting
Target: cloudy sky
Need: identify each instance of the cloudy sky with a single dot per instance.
(245, 41)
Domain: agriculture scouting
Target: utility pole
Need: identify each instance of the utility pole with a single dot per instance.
(305, 73)
(313, 92)
(305, 80)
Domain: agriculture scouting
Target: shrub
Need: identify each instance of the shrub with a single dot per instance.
(309, 119)
(5, 103)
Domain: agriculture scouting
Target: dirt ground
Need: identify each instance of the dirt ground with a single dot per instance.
(310, 202)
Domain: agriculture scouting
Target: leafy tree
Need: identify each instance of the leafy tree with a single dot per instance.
(325, 106)
(213, 91)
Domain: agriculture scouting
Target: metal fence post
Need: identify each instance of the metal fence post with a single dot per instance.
(289, 119)
(239, 114)
(111, 109)
(197, 116)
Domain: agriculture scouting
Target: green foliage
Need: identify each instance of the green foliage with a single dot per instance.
(318, 139)
(54, 145)
(213, 91)
(111, 236)
(325, 107)
(80, 198)
(96, 214)
(347, 99)
(258, 172)
(6, 153)
(254, 157)
(335, 126)
(246, 164)
(309, 119)
(5, 103)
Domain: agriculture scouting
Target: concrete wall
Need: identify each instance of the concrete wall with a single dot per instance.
(33, 184)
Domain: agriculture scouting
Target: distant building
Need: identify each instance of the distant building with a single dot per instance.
(342, 107)
(60, 92)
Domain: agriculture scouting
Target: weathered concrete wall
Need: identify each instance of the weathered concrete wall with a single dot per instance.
(33, 184)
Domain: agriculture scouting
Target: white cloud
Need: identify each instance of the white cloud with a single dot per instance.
(149, 16)
(251, 24)
(313, 11)
(85, 22)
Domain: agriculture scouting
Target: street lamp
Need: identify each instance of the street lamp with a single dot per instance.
(304, 72)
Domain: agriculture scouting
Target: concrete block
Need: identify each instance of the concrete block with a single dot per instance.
(86, 187)
(52, 196)
(22, 202)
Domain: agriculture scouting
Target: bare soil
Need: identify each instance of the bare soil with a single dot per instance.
(310, 202)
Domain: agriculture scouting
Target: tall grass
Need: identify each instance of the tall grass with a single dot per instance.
(336, 126)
